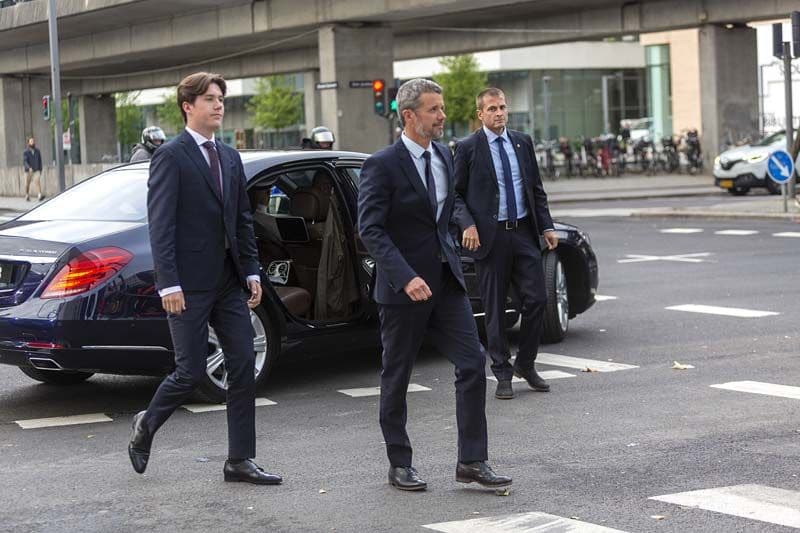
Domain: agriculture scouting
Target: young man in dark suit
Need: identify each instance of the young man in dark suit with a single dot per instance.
(201, 235)
(404, 207)
(502, 210)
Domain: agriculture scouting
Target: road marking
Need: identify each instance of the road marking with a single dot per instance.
(576, 362)
(376, 391)
(547, 374)
(682, 230)
(759, 387)
(736, 232)
(681, 258)
(584, 213)
(603, 298)
(724, 311)
(757, 502)
(209, 407)
(520, 523)
(37, 423)
(787, 234)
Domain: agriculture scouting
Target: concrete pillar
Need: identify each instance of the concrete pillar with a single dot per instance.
(311, 100)
(98, 119)
(354, 53)
(728, 85)
(21, 117)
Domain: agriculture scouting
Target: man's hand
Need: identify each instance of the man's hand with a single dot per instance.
(174, 303)
(470, 239)
(255, 293)
(418, 290)
(551, 239)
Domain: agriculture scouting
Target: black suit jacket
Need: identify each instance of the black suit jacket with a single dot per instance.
(477, 192)
(189, 222)
(398, 227)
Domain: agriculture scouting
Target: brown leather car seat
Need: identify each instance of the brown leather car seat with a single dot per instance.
(296, 299)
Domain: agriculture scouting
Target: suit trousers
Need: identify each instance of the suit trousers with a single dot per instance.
(225, 309)
(514, 261)
(446, 318)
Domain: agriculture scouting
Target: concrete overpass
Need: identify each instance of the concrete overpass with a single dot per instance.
(119, 45)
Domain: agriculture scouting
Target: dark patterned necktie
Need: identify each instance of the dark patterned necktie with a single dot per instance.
(213, 158)
(430, 183)
(508, 180)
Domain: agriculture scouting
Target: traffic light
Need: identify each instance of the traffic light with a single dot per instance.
(46, 107)
(379, 96)
(392, 94)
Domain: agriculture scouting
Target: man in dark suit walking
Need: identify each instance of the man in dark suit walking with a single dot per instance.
(404, 207)
(501, 211)
(201, 235)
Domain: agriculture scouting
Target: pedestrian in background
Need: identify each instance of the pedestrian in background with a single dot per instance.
(32, 163)
(501, 210)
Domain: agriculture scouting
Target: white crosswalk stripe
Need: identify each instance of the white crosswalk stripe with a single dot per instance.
(756, 502)
(760, 387)
(679, 258)
(546, 374)
(38, 423)
(795, 234)
(209, 407)
(520, 523)
(723, 311)
(376, 391)
(604, 298)
(736, 232)
(577, 362)
(682, 230)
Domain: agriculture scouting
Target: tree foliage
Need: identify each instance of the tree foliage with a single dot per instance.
(169, 116)
(276, 104)
(461, 81)
(129, 119)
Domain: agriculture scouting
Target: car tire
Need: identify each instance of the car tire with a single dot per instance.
(556, 314)
(56, 377)
(213, 388)
(739, 191)
(772, 187)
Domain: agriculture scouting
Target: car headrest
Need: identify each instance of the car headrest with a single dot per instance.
(305, 203)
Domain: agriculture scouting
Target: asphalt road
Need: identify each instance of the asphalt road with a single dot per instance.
(596, 448)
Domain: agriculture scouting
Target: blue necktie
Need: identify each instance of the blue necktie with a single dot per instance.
(430, 184)
(508, 179)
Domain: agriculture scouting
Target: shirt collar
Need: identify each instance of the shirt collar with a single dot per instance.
(415, 149)
(199, 138)
(491, 136)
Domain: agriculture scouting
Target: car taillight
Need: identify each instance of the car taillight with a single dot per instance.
(42, 345)
(86, 271)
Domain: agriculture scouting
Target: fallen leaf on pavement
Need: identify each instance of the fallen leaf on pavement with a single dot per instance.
(323, 491)
(658, 517)
(680, 366)
(589, 369)
(503, 492)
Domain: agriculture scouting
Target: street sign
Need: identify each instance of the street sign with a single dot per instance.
(780, 166)
(360, 84)
(321, 86)
(67, 140)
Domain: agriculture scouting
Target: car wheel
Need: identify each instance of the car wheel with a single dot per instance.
(56, 377)
(556, 314)
(266, 344)
(772, 187)
(739, 191)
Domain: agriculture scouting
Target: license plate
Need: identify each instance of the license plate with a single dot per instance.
(726, 184)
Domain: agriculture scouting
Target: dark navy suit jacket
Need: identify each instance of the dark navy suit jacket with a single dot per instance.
(478, 193)
(189, 222)
(398, 226)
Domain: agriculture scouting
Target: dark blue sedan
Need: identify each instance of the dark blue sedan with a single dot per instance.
(77, 291)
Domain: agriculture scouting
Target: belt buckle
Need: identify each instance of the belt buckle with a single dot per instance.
(511, 224)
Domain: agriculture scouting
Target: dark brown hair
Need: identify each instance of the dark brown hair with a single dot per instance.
(195, 85)
(491, 91)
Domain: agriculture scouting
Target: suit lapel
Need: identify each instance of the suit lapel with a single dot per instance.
(194, 153)
(485, 154)
(410, 170)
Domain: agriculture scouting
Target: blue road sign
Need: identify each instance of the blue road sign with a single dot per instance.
(780, 166)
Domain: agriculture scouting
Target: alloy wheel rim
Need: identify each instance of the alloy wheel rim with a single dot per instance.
(562, 298)
(215, 362)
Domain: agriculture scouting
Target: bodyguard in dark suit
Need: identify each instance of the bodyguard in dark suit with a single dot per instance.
(501, 210)
(404, 206)
(201, 235)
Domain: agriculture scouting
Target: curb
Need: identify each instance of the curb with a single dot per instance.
(789, 217)
(562, 198)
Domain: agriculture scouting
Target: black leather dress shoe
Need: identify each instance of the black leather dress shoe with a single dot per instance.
(249, 472)
(406, 478)
(504, 390)
(481, 473)
(534, 380)
(139, 445)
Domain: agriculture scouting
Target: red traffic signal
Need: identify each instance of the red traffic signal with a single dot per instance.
(378, 85)
(378, 96)
(46, 107)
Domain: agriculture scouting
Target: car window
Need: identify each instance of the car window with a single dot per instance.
(114, 196)
(772, 139)
(354, 174)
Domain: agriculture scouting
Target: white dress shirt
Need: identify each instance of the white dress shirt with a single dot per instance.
(438, 169)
